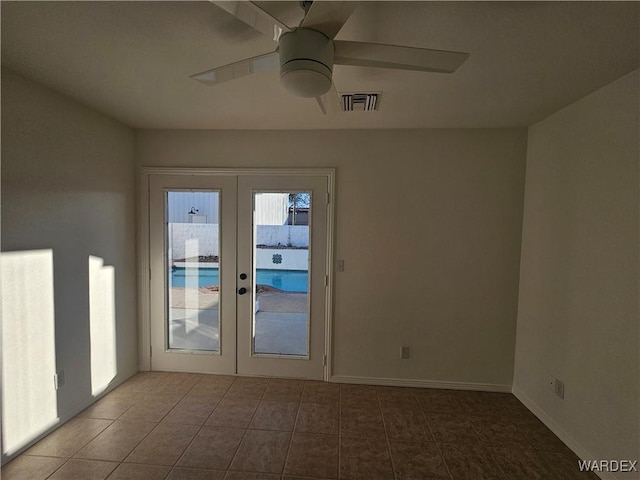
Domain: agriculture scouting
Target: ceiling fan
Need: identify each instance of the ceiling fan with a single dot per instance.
(306, 54)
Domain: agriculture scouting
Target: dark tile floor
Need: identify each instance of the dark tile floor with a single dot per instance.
(209, 427)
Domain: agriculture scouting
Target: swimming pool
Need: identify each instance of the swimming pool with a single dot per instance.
(287, 280)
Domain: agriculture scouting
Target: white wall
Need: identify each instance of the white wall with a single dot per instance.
(68, 183)
(179, 204)
(208, 243)
(282, 235)
(578, 308)
(290, 259)
(204, 235)
(442, 277)
(271, 208)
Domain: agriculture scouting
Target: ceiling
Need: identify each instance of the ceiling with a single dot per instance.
(132, 61)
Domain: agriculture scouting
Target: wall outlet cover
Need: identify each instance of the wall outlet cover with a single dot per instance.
(58, 379)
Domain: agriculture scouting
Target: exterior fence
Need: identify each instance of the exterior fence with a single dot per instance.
(282, 259)
(201, 239)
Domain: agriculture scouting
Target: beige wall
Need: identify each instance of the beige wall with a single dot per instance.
(578, 306)
(428, 223)
(68, 185)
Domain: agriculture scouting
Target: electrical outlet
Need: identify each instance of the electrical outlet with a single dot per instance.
(558, 388)
(405, 353)
(58, 380)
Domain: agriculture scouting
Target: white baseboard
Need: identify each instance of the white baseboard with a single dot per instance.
(64, 417)
(407, 382)
(61, 420)
(560, 432)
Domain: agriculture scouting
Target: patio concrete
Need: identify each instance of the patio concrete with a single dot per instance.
(281, 333)
(281, 323)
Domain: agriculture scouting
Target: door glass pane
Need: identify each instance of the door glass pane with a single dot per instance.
(193, 259)
(281, 273)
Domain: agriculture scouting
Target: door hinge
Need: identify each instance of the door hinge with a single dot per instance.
(324, 360)
(149, 274)
(150, 351)
(326, 280)
(328, 197)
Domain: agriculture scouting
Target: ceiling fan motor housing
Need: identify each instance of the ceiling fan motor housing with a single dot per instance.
(306, 62)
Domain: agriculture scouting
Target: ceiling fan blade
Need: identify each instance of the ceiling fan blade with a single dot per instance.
(238, 69)
(328, 17)
(255, 17)
(330, 102)
(391, 56)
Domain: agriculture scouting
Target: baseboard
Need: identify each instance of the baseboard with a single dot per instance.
(560, 432)
(63, 418)
(408, 382)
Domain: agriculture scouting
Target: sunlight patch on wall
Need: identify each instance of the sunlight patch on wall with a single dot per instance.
(102, 324)
(29, 401)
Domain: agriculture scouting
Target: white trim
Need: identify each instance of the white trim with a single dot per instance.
(328, 357)
(560, 432)
(329, 172)
(411, 382)
(144, 333)
(144, 287)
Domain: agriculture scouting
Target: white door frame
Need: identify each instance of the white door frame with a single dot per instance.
(144, 267)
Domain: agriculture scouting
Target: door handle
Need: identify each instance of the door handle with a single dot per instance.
(242, 291)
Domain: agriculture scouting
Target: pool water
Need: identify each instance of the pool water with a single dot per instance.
(287, 280)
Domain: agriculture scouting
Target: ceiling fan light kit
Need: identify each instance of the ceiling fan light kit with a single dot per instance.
(306, 62)
(305, 79)
(307, 53)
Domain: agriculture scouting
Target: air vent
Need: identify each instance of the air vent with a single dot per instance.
(360, 102)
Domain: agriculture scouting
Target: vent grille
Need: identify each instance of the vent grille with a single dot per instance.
(360, 102)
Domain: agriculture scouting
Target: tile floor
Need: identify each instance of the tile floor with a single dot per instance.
(209, 427)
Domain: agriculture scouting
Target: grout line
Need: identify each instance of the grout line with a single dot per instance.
(444, 462)
(246, 430)
(143, 438)
(213, 410)
(201, 426)
(72, 456)
(293, 431)
(504, 474)
(339, 429)
(99, 433)
(461, 415)
(57, 469)
(160, 422)
(386, 436)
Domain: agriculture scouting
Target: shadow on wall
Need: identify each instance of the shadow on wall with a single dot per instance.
(30, 377)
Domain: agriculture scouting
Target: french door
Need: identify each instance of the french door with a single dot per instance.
(239, 272)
